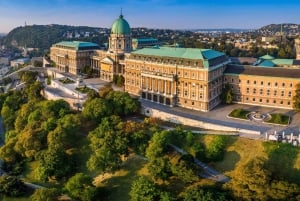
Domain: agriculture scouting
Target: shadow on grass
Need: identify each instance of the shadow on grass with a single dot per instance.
(119, 184)
(281, 162)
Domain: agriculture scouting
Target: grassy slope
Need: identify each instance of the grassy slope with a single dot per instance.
(239, 151)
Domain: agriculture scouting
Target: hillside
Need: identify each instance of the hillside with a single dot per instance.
(43, 36)
(286, 28)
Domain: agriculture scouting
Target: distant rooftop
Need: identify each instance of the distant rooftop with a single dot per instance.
(77, 45)
(269, 61)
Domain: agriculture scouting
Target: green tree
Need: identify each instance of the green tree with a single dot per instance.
(185, 169)
(80, 187)
(227, 94)
(296, 98)
(55, 163)
(196, 193)
(143, 189)
(123, 104)
(96, 109)
(45, 194)
(108, 143)
(12, 186)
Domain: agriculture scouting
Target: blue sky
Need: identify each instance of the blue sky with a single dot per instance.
(174, 14)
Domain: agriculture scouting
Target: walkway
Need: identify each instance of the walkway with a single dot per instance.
(209, 173)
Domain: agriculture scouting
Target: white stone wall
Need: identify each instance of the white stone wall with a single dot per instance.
(150, 112)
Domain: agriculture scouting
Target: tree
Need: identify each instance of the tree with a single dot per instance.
(12, 186)
(185, 169)
(251, 181)
(80, 187)
(296, 98)
(108, 143)
(227, 95)
(143, 189)
(196, 193)
(45, 194)
(122, 102)
(105, 90)
(160, 168)
(55, 163)
(96, 109)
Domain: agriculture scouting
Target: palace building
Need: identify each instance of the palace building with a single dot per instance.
(185, 77)
(72, 56)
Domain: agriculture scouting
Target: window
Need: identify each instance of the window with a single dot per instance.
(247, 91)
(276, 84)
(193, 94)
(254, 82)
(283, 84)
(260, 100)
(274, 101)
(254, 90)
(232, 80)
(275, 93)
(261, 91)
(247, 98)
(281, 102)
(248, 81)
(193, 103)
(282, 93)
(290, 94)
(253, 99)
(262, 83)
(268, 92)
(267, 100)
(239, 81)
(291, 85)
(269, 84)
(289, 103)
(201, 95)
(185, 93)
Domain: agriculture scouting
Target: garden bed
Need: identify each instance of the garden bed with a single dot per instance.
(66, 81)
(239, 113)
(83, 90)
(278, 118)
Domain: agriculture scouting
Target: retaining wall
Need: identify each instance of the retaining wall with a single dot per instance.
(150, 112)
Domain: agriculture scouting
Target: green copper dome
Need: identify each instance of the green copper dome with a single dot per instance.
(120, 26)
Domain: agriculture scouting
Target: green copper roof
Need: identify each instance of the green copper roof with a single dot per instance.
(267, 63)
(283, 61)
(144, 39)
(267, 57)
(77, 45)
(120, 26)
(186, 53)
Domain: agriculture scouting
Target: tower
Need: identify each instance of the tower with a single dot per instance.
(120, 36)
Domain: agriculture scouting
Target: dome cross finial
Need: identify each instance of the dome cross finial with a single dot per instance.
(121, 16)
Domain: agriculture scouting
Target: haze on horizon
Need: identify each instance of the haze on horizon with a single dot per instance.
(172, 14)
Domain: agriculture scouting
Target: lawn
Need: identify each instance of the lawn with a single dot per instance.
(119, 183)
(278, 118)
(239, 113)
